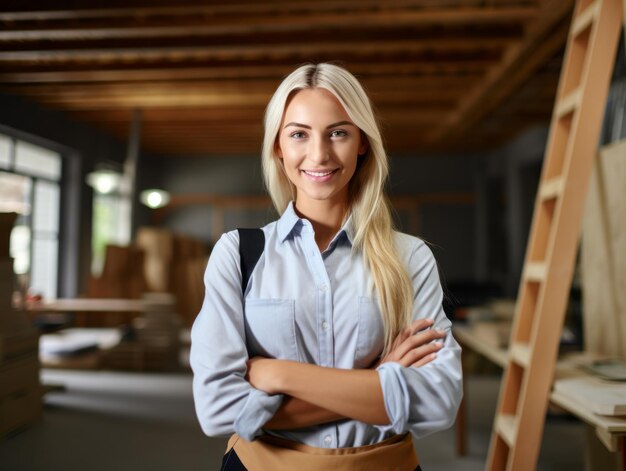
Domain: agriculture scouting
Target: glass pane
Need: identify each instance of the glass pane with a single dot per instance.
(43, 278)
(123, 222)
(20, 248)
(5, 151)
(46, 207)
(111, 225)
(15, 193)
(37, 161)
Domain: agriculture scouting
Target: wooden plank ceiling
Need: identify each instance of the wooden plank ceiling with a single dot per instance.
(445, 75)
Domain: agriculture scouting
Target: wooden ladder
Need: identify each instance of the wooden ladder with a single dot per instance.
(551, 251)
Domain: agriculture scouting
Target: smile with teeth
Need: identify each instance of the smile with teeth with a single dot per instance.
(320, 173)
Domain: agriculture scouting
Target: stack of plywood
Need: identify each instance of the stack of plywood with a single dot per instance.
(159, 261)
(155, 345)
(174, 263)
(122, 275)
(157, 245)
(603, 263)
(122, 278)
(188, 254)
(20, 391)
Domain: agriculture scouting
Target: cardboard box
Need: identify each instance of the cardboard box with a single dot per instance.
(20, 343)
(19, 374)
(13, 321)
(20, 409)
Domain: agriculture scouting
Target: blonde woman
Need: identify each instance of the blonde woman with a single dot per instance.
(338, 352)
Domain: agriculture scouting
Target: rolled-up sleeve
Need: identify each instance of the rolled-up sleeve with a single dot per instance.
(424, 400)
(225, 402)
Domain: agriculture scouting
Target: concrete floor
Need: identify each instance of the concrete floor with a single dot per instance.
(126, 421)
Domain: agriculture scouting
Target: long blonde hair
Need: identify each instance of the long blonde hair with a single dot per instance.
(368, 204)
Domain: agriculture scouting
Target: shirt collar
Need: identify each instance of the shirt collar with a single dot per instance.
(287, 222)
(290, 220)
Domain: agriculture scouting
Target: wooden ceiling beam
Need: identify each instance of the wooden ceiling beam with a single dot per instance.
(543, 39)
(364, 69)
(252, 52)
(149, 100)
(406, 91)
(377, 88)
(169, 115)
(437, 11)
(77, 100)
(372, 84)
(291, 23)
(239, 116)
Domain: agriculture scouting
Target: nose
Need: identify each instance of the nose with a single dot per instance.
(319, 151)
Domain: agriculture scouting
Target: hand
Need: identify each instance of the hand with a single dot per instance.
(414, 345)
(262, 373)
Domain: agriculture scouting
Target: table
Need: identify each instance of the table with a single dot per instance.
(611, 430)
(88, 305)
(83, 308)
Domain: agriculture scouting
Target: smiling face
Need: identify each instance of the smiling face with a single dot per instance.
(319, 146)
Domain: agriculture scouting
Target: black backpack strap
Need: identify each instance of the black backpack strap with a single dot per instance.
(251, 245)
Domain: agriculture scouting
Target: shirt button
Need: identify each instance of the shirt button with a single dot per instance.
(327, 440)
(325, 325)
(324, 287)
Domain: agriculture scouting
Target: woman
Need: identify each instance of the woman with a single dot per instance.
(339, 346)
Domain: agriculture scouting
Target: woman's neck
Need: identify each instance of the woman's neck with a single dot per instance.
(325, 217)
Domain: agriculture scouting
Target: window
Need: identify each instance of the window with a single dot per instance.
(111, 216)
(5, 151)
(30, 178)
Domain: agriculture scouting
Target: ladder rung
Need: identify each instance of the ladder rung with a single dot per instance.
(584, 19)
(552, 188)
(569, 103)
(520, 353)
(535, 271)
(506, 426)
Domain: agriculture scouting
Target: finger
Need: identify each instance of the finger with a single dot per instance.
(398, 340)
(426, 336)
(419, 353)
(418, 339)
(412, 337)
(416, 326)
(420, 324)
(425, 360)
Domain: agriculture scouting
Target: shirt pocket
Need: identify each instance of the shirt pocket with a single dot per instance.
(270, 328)
(371, 333)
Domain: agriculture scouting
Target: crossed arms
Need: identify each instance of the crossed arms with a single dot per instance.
(316, 395)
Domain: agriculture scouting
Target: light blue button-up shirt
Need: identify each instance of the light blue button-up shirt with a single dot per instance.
(315, 307)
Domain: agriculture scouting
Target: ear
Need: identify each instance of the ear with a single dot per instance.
(364, 144)
(277, 150)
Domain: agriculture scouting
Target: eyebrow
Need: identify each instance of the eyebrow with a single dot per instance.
(306, 126)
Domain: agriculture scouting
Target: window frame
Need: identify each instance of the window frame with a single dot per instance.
(68, 234)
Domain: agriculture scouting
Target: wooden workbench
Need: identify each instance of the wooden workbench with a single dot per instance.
(611, 430)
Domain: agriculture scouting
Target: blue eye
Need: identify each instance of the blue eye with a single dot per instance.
(338, 133)
(297, 135)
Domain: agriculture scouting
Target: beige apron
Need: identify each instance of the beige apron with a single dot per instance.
(276, 454)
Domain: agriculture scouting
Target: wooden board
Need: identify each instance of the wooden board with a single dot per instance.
(602, 255)
(483, 342)
(601, 397)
